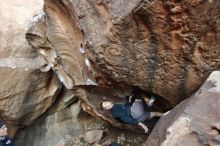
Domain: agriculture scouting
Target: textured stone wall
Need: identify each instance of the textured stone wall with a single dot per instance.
(25, 92)
(167, 48)
(194, 122)
(163, 47)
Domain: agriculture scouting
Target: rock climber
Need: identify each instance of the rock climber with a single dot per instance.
(4, 139)
(132, 113)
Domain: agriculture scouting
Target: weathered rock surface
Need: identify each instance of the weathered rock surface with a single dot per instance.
(195, 122)
(57, 37)
(164, 47)
(93, 136)
(25, 92)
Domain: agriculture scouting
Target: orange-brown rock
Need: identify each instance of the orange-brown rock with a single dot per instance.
(164, 47)
(25, 92)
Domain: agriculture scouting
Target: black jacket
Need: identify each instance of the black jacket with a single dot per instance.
(122, 113)
(6, 141)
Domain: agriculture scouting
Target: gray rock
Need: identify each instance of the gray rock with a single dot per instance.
(194, 122)
(93, 136)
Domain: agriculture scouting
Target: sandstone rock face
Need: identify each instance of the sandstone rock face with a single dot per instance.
(165, 47)
(25, 92)
(58, 38)
(194, 122)
(52, 129)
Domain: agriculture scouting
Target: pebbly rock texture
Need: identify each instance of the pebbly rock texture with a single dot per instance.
(25, 92)
(194, 122)
(93, 136)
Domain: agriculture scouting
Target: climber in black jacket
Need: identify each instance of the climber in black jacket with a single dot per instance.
(4, 139)
(130, 113)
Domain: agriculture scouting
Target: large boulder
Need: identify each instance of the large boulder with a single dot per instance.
(58, 38)
(25, 92)
(164, 47)
(194, 122)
